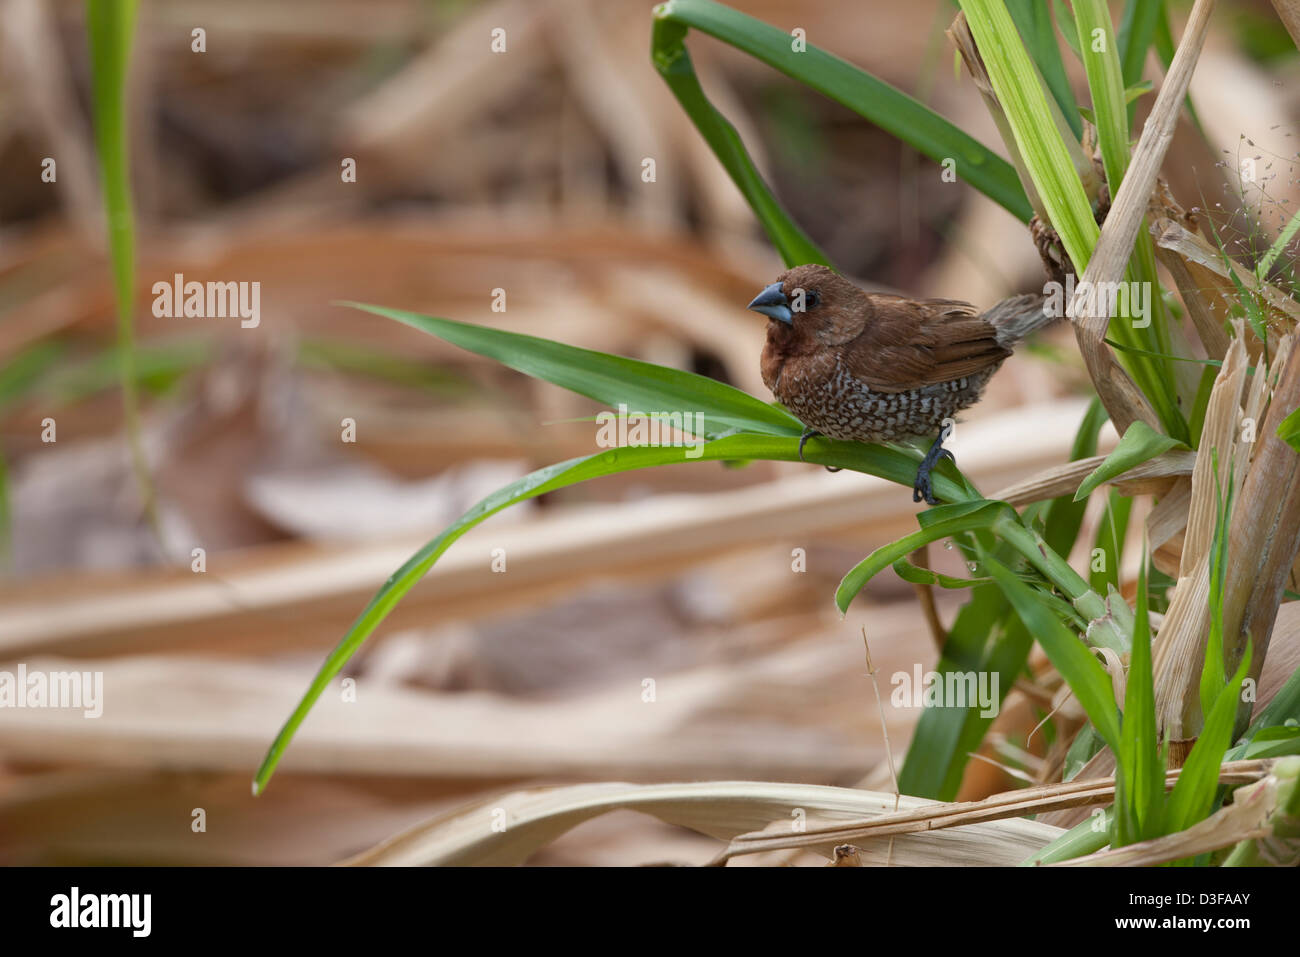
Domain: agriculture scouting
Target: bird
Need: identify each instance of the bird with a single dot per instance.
(869, 367)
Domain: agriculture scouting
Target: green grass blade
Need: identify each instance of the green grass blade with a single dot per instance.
(1283, 240)
(984, 637)
(944, 522)
(1284, 707)
(1140, 443)
(1140, 778)
(1214, 670)
(1071, 657)
(1065, 23)
(156, 368)
(643, 386)
(109, 26)
(1086, 837)
(1086, 744)
(1016, 83)
(1201, 401)
(1110, 543)
(1136, 32)
(884, 105)
(1063, 516)
(674, 64)
(871, 459)
(1034, 21)
(916, 575)
(1194, 794)
(20, 376)
(347, 357)
(1100, 52)
(1288, 430)
(1268, 743)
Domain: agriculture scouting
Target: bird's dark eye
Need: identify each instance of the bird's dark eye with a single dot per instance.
(812, 299)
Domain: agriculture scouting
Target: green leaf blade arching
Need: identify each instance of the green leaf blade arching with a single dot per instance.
(671, 59)
(884, 105)
(641, 386)
(1140, 443)
(877, 460)
(942, 522)
(738, 428)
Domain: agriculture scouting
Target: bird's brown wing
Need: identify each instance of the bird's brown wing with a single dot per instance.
(907, 343)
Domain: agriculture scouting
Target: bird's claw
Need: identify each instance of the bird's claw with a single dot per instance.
(808, 434)
(921, 488)
(803, 439)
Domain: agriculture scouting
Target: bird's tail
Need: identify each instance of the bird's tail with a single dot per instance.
(1017, 317)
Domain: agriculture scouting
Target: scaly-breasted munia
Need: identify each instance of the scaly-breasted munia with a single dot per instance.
(875, 368)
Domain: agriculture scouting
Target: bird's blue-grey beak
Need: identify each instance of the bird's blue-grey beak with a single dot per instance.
(772, 302)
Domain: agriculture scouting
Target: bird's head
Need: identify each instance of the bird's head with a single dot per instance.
(806, 305)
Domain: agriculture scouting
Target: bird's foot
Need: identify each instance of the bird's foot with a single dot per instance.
(809, 433)
(921, 487)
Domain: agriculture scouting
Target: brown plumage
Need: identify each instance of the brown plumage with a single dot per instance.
(877, 368)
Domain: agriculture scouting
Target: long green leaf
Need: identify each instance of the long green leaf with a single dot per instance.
(944, 521)
(1214, 670)
(1193, 795)
(985, 637)
(1065, 23)
(642, 386)
(1034, 21)
(21, 374)
(1110, 542)
(1268, 743)
(1136, 32)
(1283, 240)
(872, 459)
(1016, 83)
(611, 379)
(1106, 84)
(1140, 778)
(877, 101)
(1283, 708)
(1071, 657)
(109, 27)
(1086, 837)
(668, 51)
